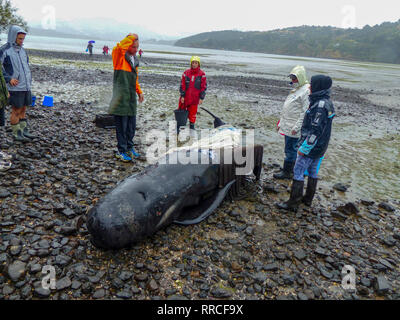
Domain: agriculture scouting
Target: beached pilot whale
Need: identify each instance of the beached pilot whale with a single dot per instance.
(167, 193)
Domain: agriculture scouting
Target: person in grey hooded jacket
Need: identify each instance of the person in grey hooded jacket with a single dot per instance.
(16, 71)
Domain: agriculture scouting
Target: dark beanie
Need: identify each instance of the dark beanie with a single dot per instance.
(320, 82)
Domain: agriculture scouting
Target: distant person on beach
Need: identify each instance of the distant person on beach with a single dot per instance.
(292, 116)
(124, 101)
(140, 53)
(90, 48)
(5, 159)
(193, 90)
(105, 50)
(17, 73)
(314, 141)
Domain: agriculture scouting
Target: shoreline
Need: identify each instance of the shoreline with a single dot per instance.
(247, 249)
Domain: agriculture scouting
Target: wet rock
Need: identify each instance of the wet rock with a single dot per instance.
(271, 267)
(288, 279)
(387, 207)
(338, 215)
(367, 202)
(389, 241)
(340, 187)
(124, 295)
(7, 290)
(381, 285)
(141, 277)
(177, 297)
(16, 270)
(69, 213)
(63, 283)
(349, 208)
(152, 285)
(99, 294)
(125, 275)
(220, 293)
(40, 292)
(4, 193)
(300, 254)
(75, 285)
(302, 296)
(260, 278)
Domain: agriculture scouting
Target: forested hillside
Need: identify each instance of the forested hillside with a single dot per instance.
(380, 43)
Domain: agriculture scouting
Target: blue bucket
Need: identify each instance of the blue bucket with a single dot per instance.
(48, 101)
(33, 101)
(319, 166)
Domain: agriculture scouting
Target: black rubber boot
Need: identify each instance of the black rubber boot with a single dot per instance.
(287, 172)
(17, 133)
(296, 195)
(310, 192)
(25, 131)
(192, 126)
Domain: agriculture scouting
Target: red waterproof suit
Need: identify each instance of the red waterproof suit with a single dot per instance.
(193, 89)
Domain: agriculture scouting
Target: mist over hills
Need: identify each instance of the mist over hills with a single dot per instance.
(97, 28)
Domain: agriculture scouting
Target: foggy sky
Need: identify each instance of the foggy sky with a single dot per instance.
(183, 17)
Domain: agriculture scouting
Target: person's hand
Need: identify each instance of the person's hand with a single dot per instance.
(9, 95)
(294, 132)
(182, 100)
(141, 97)
(14, 82)
(200, 102)
(301, 153)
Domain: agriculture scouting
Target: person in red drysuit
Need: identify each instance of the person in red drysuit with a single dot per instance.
(193, 89)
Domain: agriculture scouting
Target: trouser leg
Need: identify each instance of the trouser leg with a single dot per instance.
(121, 123)
(192, 115)
(130, 132)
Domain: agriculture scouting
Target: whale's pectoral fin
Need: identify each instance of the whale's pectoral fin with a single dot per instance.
(197, 214)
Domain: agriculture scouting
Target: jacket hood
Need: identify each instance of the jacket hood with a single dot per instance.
(13, 32)
(300, 73)
(320, 83)
(127, 42)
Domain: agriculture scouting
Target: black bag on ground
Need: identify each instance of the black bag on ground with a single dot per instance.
(105, 121)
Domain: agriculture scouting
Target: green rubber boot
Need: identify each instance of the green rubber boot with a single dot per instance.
(25, 131)
(17, 133)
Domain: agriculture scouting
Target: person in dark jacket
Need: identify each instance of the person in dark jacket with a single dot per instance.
(193, 89)
(313, 143)
(90, 48)
(16, 70)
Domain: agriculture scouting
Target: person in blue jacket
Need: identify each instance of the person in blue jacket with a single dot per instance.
(313, 143)
(17, 73)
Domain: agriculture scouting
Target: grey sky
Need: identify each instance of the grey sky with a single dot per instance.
(179, 17)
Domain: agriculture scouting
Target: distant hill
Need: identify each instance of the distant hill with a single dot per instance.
(380, 43)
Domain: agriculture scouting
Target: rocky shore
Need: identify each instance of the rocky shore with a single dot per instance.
(247, 249)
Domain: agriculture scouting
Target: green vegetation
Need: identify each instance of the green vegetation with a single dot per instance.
(380, 43)
(8, 16)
